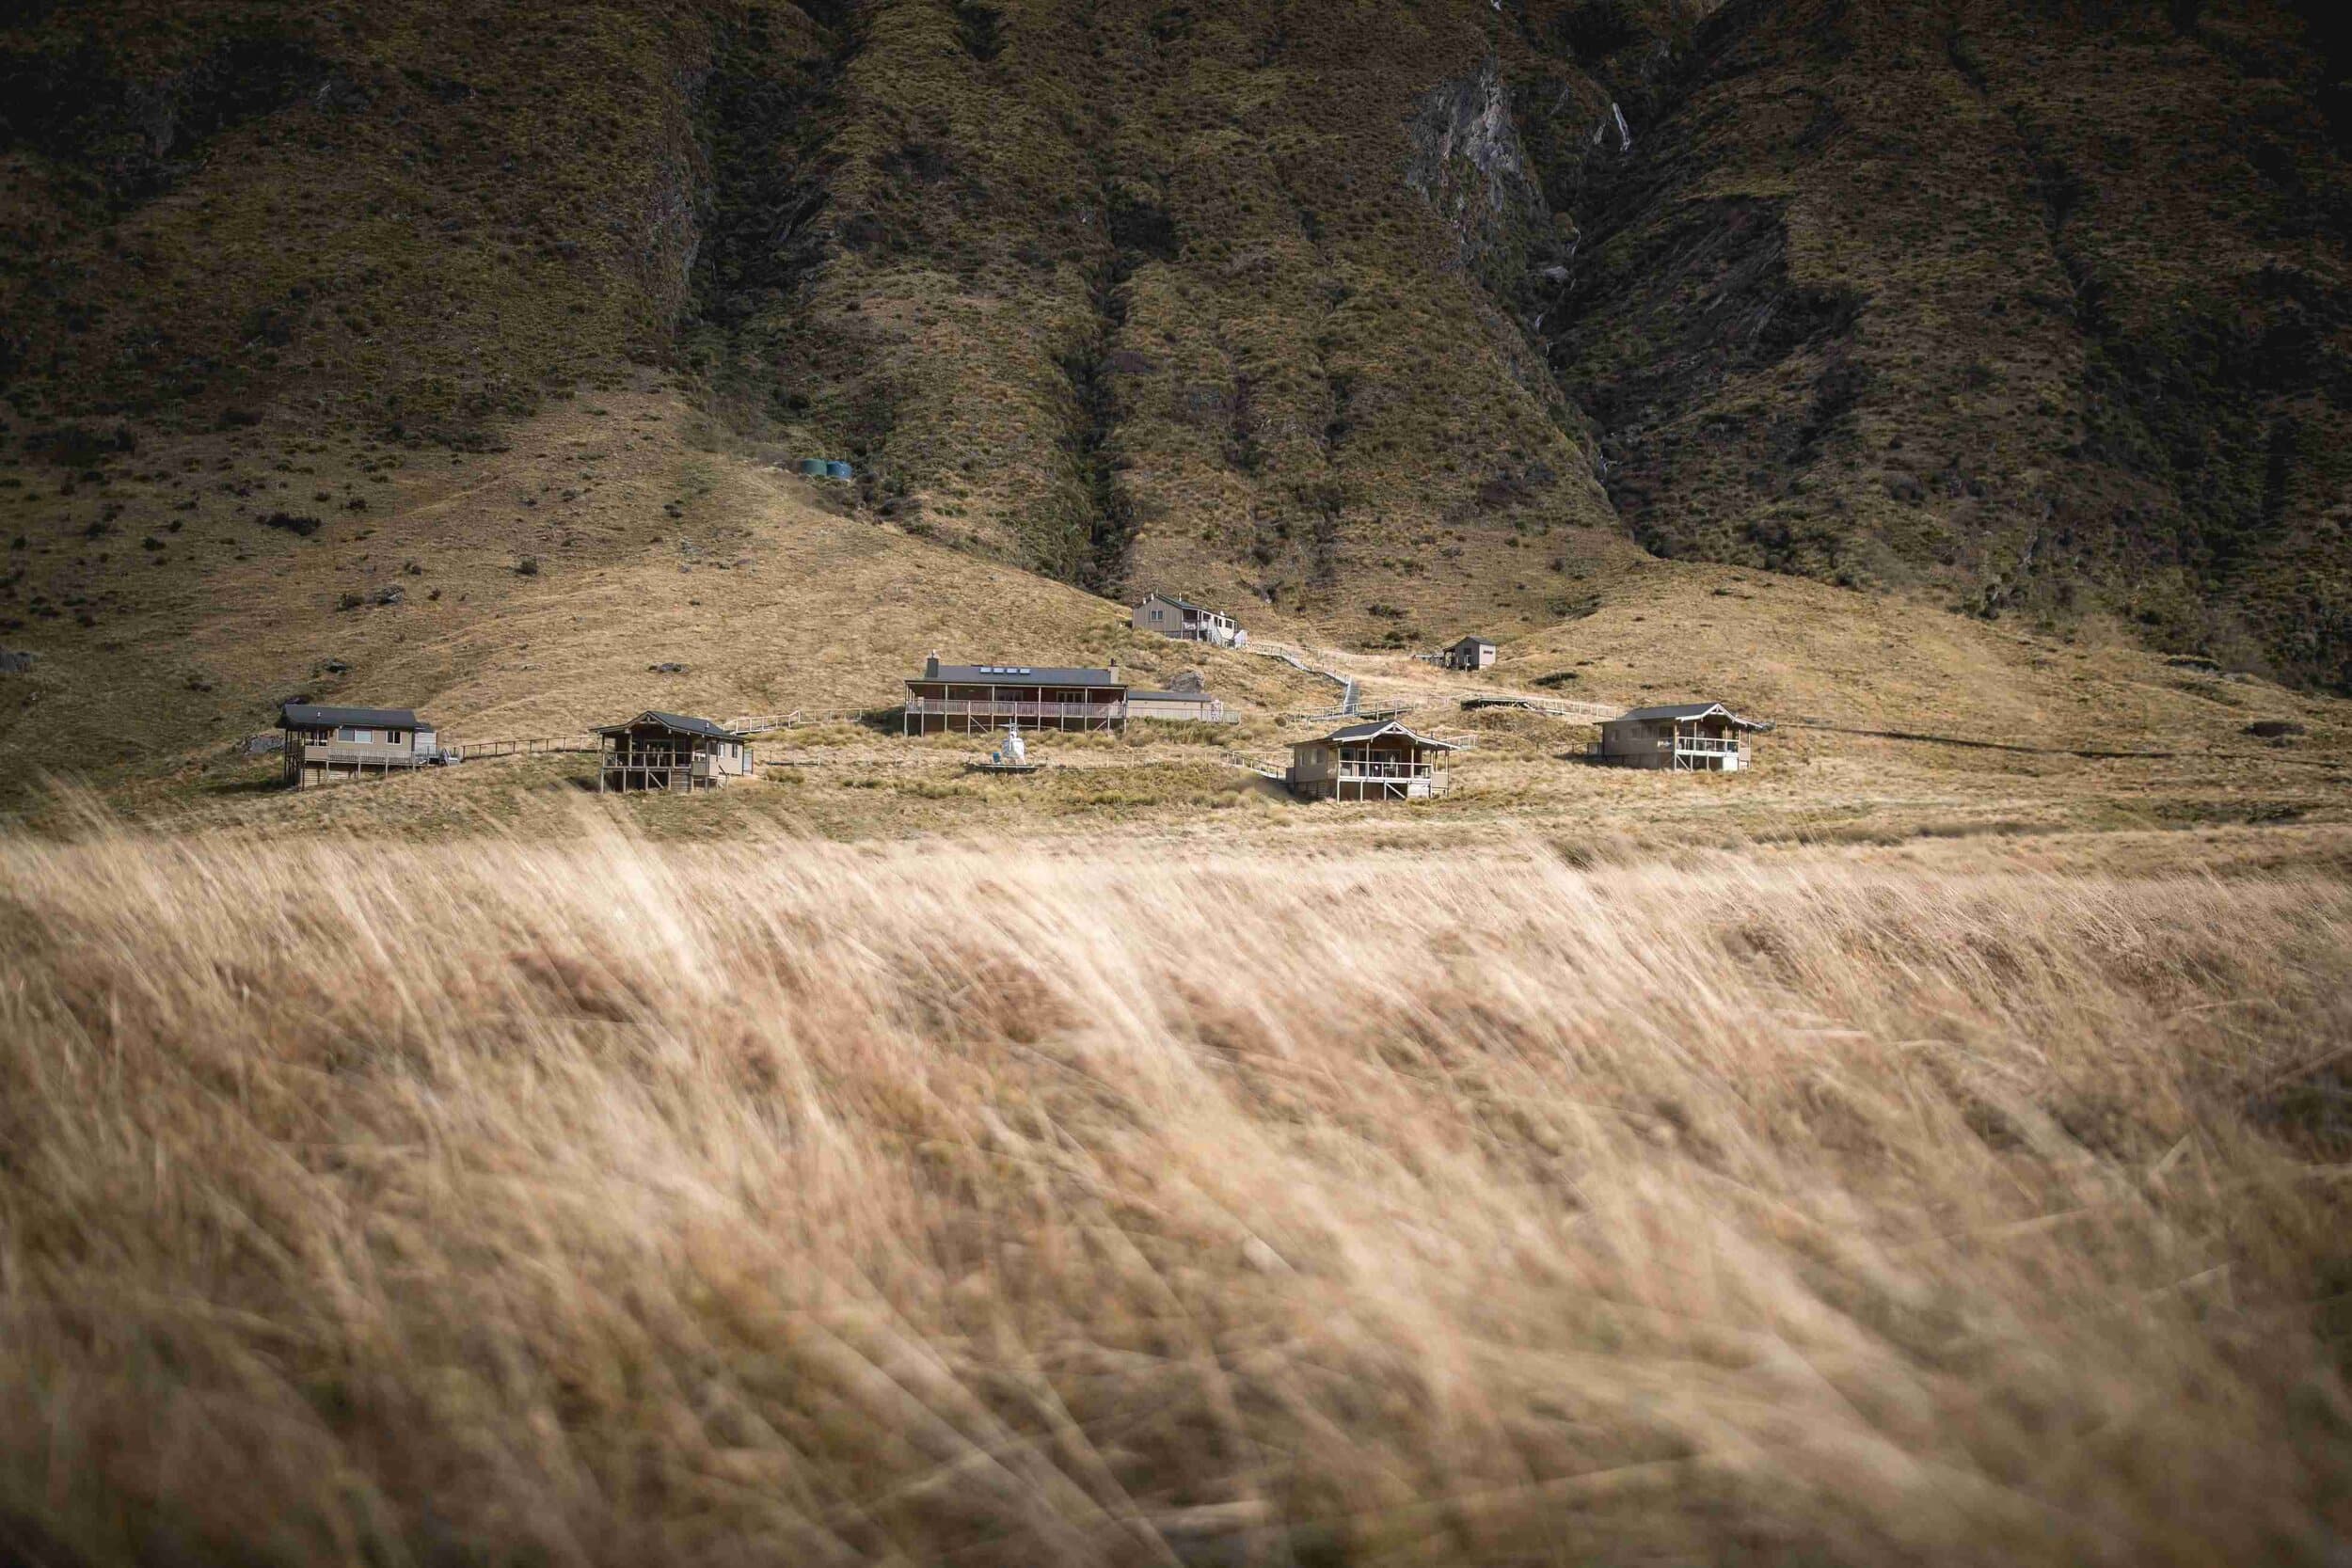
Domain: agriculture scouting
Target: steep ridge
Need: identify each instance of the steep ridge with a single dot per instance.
(2043, 306)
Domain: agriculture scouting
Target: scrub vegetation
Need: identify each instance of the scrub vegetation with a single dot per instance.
(2038, 311)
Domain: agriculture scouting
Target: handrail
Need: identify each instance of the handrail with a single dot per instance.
(1011, 708)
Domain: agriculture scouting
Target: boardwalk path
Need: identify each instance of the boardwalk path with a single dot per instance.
(1349, 692)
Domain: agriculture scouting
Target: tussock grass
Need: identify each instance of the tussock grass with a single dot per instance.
(601, 1202)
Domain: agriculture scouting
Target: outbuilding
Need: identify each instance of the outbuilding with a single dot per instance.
(329, 745)
(1197, 707)
(1706, 738)
(1376, 761)
(672, 752)
(1472, 653)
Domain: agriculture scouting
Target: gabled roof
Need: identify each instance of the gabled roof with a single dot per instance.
(1182, 604)
(1685, 710)
(1017, 674)
(676, 723)
(312, 716)
(1372, 730)
(1481, 642)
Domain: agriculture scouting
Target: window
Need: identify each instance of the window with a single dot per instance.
(1159, 615)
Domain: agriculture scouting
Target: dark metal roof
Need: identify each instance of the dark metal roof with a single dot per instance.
(677, 723)
(1481, 642)
(312, 716)
(1186, 604)
(1685, 710)
(1017, 674)
(1135, 696)
(1372, 730)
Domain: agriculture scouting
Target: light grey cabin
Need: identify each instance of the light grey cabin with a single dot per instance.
(1472, 653)
(1378, 761)
(1187, 622)
(334, 745)
(1706, 738)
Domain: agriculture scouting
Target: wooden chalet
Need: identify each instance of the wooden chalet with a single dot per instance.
(973, 697)
(329, 745)
(1187, 622)
(1376, 761)
(1703, 737)
(672, 752)
(1471, 653)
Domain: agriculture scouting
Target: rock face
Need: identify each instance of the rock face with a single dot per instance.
(1469, 165)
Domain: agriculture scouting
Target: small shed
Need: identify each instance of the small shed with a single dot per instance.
(331, 744)
(1471, 653)
(671, 751)
(1187, 622)
(1197, 707)
(1706, 738)
(1378, 761)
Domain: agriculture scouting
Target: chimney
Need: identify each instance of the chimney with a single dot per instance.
(931, 668)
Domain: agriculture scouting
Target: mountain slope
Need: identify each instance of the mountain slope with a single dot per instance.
(2041, 304)
(1400, 318)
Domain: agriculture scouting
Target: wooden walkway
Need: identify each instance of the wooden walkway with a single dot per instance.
(1349, 694)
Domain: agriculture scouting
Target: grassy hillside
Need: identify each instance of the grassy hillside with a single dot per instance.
(176, 597)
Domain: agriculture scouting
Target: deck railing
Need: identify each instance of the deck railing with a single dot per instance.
(962, 707)
(1709, 746)
(1375, 772)
(330, 754)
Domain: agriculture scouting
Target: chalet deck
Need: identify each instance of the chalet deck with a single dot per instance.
(1685, 737)
(337, 745)
(1380, 761)
(964, 698)
(670, 752)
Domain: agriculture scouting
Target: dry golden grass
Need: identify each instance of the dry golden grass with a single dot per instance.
(604, 1202)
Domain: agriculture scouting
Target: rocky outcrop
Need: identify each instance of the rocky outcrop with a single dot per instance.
(1469, 165)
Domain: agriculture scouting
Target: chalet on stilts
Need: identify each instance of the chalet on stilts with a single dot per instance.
(968, 698)
(1378, 761)
(1702, 738)
(670, 750)
(331, 744)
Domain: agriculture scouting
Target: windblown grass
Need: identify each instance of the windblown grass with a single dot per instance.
(605, 1203)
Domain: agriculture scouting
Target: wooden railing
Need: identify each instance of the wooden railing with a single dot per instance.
(1376, 772)
(960, 707)
(350, 754)
(533, 746)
